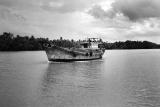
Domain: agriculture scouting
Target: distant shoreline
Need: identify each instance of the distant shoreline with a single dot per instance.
(12, 43)
(44, 50)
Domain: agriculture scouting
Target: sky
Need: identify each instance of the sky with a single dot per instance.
(111, 20)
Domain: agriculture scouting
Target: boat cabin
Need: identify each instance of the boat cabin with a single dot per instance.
(93, 43)
(85, 45)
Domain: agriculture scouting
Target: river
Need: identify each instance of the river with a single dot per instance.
(123, 78)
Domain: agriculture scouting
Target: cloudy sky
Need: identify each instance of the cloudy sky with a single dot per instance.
(112, 20)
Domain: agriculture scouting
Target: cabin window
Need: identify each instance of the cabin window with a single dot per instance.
(91, 53)
(86, 54)
(85, 45)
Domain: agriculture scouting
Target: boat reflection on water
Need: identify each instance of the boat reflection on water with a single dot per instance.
(73, 85)
(73, 72)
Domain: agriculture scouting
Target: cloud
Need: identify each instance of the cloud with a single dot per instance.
(61, 6)
(98, 12)
(135, 10)
(112, 19)
(20, 4)
(10, 15)
(66, 6)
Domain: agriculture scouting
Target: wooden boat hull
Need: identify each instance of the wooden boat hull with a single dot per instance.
(71, 60)
(58, 54)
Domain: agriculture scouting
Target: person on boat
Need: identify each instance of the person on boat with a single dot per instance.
(91, 53)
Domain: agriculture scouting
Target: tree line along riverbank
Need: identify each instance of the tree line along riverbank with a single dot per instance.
(11, 42)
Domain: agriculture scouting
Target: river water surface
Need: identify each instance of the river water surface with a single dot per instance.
(123, 78)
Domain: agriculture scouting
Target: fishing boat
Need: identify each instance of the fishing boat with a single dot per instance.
(90, 49)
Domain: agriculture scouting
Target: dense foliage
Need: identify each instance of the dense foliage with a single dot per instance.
(9, 42)
(132, 45)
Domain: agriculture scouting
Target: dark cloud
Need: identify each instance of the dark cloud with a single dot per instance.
(133, 9)
(138, 9)
(98, 12)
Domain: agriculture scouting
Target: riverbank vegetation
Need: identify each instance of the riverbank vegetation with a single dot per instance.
(132, 45)
(10, 42)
